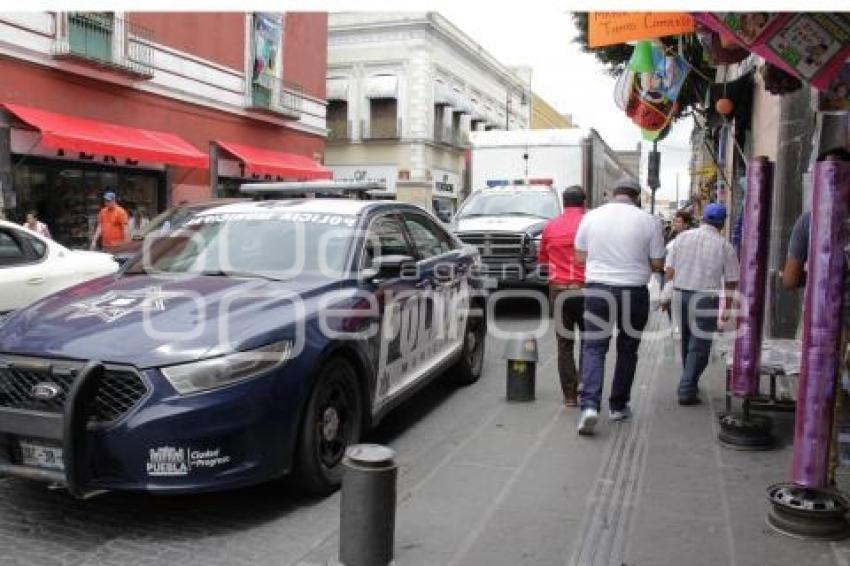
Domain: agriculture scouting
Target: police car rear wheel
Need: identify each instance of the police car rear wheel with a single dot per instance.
(333, 422)
(468, 368)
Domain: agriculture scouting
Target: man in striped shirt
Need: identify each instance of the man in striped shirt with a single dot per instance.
(698, 267)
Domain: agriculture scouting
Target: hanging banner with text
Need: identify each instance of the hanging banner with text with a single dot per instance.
(611, 28)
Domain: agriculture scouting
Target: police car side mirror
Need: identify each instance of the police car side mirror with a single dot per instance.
(388, 266)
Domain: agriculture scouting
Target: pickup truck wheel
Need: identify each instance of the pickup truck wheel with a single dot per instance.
(468, 368)
(332, 422)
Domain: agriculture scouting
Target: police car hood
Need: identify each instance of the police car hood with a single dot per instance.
(503, 223)
(151, 321)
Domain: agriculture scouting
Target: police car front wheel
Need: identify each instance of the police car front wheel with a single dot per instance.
(468, 368)
(332, 422)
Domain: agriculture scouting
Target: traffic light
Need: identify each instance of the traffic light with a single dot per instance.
(652, 178)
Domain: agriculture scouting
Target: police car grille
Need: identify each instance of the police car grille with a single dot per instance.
(119, 391)
(16, 389)
(494, 244)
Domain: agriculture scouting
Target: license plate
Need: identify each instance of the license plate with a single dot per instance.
(41, 456)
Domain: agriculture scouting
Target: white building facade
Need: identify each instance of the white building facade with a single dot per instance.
(404, 90)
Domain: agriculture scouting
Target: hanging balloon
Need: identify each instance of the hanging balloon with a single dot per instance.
(657, 91)
(641, 59)
(724, 106)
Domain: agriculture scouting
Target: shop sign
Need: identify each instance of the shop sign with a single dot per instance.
(611, 28)
(706, 171)
(25, 142)
(236, 169)
(386, 174)
(446, 181)
(812, 46)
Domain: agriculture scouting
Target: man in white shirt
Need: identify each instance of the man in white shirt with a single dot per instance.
(621, 246)
(698, 267)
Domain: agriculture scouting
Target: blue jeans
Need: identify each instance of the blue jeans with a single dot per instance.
(604, 307)
(698, 318)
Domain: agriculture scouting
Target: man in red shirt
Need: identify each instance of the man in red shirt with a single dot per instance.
(566, 280)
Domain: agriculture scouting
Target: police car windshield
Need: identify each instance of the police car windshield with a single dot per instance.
(171, 219)
(261, 244)
(502, 202)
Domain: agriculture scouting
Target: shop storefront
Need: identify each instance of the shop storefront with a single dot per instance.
(235, 164)
(67, 194)
(61, 165)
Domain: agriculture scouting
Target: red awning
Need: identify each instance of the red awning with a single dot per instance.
(60, 131)
(268, 162)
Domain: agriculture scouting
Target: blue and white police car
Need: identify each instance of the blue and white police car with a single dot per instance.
(261, 338)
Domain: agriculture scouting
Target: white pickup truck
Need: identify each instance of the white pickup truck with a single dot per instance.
(517, 180)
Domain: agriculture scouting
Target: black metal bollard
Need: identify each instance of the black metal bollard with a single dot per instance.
(367, 510)
(521, 355)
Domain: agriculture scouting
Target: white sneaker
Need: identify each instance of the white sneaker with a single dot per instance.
(587, 421)
(624, 414)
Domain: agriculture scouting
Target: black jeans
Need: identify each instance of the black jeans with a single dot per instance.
(568, 312)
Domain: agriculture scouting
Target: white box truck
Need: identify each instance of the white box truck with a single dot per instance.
(517, 178)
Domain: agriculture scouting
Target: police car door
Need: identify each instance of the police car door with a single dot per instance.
(385, 236)
(444, 293)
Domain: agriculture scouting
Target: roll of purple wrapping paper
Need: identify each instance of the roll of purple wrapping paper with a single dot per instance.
(754, 241)
(821, 324)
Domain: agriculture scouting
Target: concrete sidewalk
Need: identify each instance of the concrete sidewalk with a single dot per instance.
(522, 488)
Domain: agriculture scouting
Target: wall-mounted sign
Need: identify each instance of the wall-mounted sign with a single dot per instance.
(386, 174)
(446, 181)
(611, 28)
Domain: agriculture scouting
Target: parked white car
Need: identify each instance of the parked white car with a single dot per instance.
(32, 266)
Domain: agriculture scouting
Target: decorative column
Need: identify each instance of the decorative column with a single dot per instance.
(743, 430)
(754, 252)
(806, 506)
(821, 324)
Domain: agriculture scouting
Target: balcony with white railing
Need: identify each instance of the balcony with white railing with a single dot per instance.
(103, 40)
(277, 97)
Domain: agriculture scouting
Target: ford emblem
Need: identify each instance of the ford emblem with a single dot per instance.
(45, 391)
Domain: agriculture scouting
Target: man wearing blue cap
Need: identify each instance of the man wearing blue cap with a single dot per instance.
(699, 266)
(112, 224)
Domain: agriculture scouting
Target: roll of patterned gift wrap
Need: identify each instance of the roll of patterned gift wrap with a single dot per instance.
(754, 241)
(821, 324)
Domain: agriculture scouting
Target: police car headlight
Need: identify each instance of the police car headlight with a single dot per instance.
(226, 370)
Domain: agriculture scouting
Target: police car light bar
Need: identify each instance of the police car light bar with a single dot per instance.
(493, 183)
(302, 187)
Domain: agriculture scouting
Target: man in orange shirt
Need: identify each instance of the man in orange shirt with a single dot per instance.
(566, 279)
(112, 224)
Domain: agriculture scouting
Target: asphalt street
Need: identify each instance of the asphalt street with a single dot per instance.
(481, 482)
